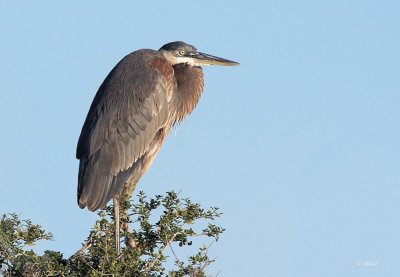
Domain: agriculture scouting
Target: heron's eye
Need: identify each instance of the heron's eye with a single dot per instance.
(181, 52)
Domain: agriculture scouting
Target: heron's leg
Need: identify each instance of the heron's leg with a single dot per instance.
(116, 222)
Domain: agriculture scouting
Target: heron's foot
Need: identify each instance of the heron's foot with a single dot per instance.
(129, 242)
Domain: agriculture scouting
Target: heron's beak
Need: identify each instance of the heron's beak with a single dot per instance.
(201, 59)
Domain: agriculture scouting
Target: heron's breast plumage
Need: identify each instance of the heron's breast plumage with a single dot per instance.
(189, 86)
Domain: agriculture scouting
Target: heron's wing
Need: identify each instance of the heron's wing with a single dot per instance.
(125, 115)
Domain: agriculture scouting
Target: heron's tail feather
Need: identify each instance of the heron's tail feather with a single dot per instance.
(96, 187)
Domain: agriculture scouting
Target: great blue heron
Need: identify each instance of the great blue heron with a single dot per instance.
(133, 111)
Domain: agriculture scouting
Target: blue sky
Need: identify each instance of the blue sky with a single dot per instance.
(298, 146)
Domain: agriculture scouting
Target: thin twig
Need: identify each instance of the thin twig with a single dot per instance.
(147, 268)
(176, 257)
(84, 248)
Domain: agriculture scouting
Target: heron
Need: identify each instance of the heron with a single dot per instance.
(134, 109)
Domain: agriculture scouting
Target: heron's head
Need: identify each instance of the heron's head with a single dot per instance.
(179, 52)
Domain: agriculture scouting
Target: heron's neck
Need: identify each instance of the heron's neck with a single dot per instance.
(190, 83)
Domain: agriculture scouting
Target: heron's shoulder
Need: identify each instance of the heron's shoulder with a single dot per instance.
(145, 57)
(148, 61)
(140, 72)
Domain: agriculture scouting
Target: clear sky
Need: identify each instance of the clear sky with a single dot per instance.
(299, 146)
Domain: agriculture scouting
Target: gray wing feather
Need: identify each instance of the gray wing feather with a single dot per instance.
(122, 121)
